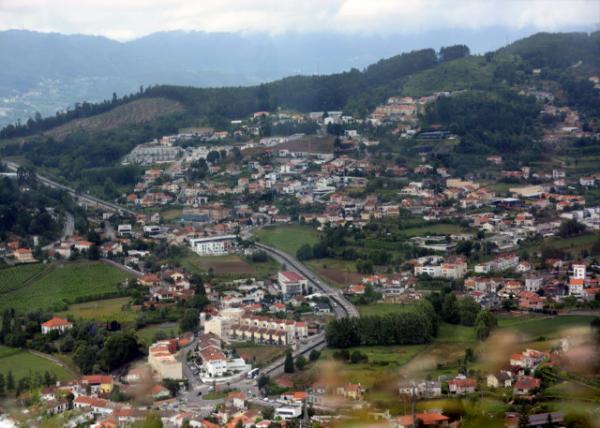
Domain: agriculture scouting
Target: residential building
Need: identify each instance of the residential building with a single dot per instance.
(213, 245)
(56, 324)
(292, 284)
(162, 359)
(461, 385)
(526, 385)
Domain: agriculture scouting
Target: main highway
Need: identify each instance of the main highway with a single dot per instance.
(82, 198)
(341, 306)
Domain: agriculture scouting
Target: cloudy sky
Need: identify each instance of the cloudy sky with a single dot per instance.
(128, 19)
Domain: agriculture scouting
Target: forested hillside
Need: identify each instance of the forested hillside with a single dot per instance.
(495, 115)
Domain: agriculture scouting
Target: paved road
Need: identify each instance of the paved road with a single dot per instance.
(86, 199)
(54, 360)
(68, 230)
(128, 269)
(341, 305)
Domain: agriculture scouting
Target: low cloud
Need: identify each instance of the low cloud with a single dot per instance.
(127, 19)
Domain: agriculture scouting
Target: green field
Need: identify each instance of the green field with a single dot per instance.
(383, 366)
(288, 238)
(384, 308)
(573, 245)
(22, 363)
(533, 327)
(434, 229)
(455, 333)
(58, 283)
(102, 310)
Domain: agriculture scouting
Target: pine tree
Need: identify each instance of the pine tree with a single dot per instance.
(2, 391)
(524, 418)
(10, 381)
(288, 365)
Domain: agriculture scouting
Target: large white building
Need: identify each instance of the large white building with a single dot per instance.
(213, 245)
(453, 268)
(288, 412)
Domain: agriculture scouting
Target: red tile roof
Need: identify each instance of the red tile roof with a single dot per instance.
(56, 322)
(292, 276)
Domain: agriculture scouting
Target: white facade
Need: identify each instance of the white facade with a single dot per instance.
(215, 368)
(288, 412)
(533, 283)
(213, 246)
(431, 270)
(579, 271)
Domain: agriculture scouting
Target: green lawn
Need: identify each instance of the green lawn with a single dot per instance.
(102, 310)
(288, 238)
(60, 283)
(147, 334)
(22, 363)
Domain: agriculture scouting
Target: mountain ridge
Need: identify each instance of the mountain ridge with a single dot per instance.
(47, 72)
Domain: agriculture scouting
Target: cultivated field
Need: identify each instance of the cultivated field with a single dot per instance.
(14, 277)
(221, 265)
(337, 273)
(59, 283)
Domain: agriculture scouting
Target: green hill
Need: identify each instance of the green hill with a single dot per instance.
(87, 142)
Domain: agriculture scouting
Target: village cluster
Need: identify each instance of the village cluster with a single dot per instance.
(225, 183)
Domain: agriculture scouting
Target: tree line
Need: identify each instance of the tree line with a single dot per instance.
(408, 328)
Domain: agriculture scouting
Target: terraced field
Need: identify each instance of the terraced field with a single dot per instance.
(12, 278)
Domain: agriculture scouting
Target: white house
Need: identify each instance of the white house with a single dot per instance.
(56, 324)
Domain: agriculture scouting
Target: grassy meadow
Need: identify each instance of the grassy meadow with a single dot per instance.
(288, 238)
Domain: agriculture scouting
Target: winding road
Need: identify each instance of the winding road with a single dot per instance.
(85, 199)
(342, 306)
(68, 230)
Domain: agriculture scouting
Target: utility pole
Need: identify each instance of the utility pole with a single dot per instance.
(414, 405)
